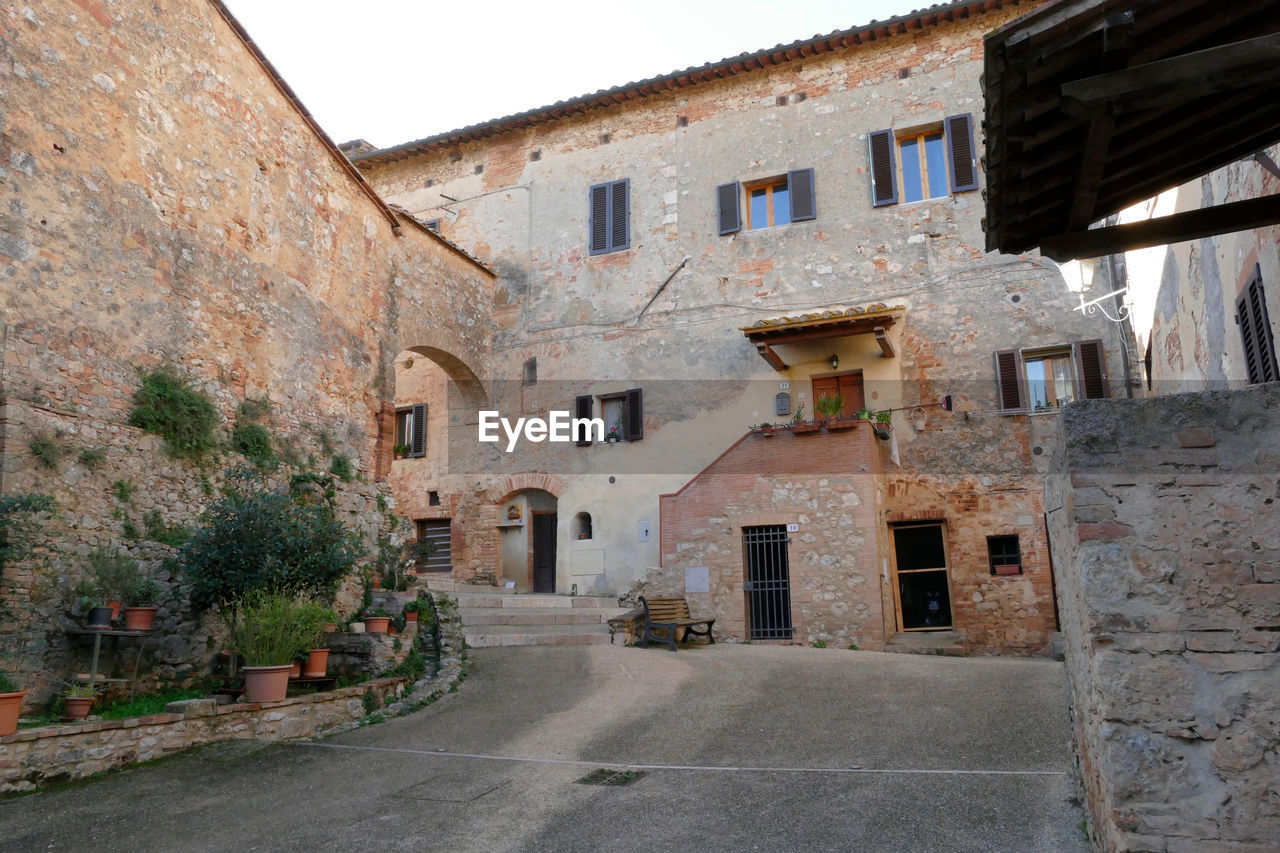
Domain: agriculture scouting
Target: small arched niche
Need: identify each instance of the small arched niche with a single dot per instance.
(582, 526)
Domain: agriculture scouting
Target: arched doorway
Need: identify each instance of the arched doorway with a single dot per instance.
(528, 527)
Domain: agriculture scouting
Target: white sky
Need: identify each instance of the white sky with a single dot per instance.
(391, 71)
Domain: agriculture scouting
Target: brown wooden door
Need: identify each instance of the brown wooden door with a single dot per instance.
(847, 385)
(544, 552)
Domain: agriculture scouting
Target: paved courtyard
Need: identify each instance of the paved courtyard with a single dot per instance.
(742, 748)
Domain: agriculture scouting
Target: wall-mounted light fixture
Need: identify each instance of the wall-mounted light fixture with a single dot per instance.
(918, 419)
(835, 361)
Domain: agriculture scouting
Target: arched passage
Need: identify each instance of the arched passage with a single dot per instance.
(528, 525)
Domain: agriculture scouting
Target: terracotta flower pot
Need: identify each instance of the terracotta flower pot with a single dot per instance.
(115, 609)
(317, 664)
(76, 707)
(411, 616)
(376, 624)
(139, 618)
(265, 683)
(295, 669)
(10, 709)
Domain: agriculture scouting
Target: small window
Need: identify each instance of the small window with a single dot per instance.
(622, 414)
(435, 539)
(775, 201)
(1043, 380)
(922, 166)
(1255, 332)
(433, 498)
(531, 371)
(1004, 555)
(609, 228)
(582, 525)
(411, 431)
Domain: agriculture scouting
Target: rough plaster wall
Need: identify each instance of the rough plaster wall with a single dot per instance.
(163, 203)
(1163, 516)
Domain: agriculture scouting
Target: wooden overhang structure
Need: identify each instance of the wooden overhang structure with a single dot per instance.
(1095, 105)
(826, 325)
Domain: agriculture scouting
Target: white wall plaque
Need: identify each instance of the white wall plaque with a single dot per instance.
(697, 579)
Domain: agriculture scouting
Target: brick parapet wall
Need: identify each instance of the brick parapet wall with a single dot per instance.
(1163, 516)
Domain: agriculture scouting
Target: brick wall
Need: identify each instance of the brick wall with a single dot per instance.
(1166, 542)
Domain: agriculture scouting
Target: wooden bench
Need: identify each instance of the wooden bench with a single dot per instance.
(669, 615)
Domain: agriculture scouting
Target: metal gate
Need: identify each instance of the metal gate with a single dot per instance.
(768, 584)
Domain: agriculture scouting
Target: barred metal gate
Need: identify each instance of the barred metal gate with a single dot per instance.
(768, 585)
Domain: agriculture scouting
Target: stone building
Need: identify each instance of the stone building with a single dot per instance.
(694, 257)
(167, 201)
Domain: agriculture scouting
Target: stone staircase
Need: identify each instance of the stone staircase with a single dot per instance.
(498, 617)
(927, 643)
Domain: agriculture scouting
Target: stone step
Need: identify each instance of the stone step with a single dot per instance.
(506, 600)
(488, 636)
(538, 615)
(950, 643)
(444, 583)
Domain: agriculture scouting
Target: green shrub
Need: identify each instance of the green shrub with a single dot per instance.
(253, 442)
(166, 404)
(341, 468)
(274, 628)
(93, 457)
(130, 531)
(819, 644)
(47, 448)
(18, 523)
(253, 409)
(113, 573)
(158, 531)
(7, 685)
(144, 592)
(123, 491)
(256, 538)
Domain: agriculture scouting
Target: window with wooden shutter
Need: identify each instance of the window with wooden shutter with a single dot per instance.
(582, 411)
(1090, 364)
(1009, 380)
(1255, 332)
(418, 444)
(884, 188)
(961, 152)
(728, 198)
(609, 227)
(633, 421)
(804, 204)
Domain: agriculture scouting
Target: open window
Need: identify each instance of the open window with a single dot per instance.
(780, 200)
(411, 431)
(1044, 379)
(923, 163)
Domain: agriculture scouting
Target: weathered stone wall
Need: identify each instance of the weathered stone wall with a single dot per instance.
(167, 204)
(30, 758)
(589, 323)
(1163, 518)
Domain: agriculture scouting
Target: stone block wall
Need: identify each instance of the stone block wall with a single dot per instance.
(1165, 522)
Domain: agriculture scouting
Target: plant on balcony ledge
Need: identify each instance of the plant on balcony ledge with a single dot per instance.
(800, 426)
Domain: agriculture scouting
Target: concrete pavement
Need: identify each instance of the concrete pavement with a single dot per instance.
(743, 748)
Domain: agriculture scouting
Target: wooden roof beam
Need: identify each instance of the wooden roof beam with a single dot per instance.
(768, 354)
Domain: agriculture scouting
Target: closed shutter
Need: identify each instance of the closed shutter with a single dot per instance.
(1255, 332)
(582, 411)
(1090, 364)
(729, 198)
(960, 151)
(438, 534)
(418, 446)
(599, 219)
(804, 205)
(1009, 380)
(633, 422)
(620, 216)
(884, 188)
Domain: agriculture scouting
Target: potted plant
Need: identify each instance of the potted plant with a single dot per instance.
(800, 426)
(96, 615)
(865, 414)
(615, 433)
(377, 621)
(768, 430)
(140, 608)
(413, 608)
(268, 631)
(77, 700)
(316, 617)
(884, 418)
(401, 451)
(113, 575)
(10, 705)
(830, 406)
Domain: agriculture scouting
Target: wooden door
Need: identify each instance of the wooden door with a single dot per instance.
(847, 385)
(544, 552)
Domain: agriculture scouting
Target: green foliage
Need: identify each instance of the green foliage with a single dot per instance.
(829, 405)
(254, 409)
(206, 487)
(383, 506)
(158, 531)
(93, 457)
(113, 574)
(130, 531)
(274, 628)
(18, 523)
(144, 592)
(151, 703)
(885, 417)
(413, 667)
(166, 404)
(853, 647)
(7, 685)
(798, 416)
(253, 442)
(81, 691)
(254, 538)
(341, 468)
(401, 450)
(819, 644)
(325, 438)
(370, 701)
(124, 491)
(47, 448)
(288, 452)
(865, 414)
